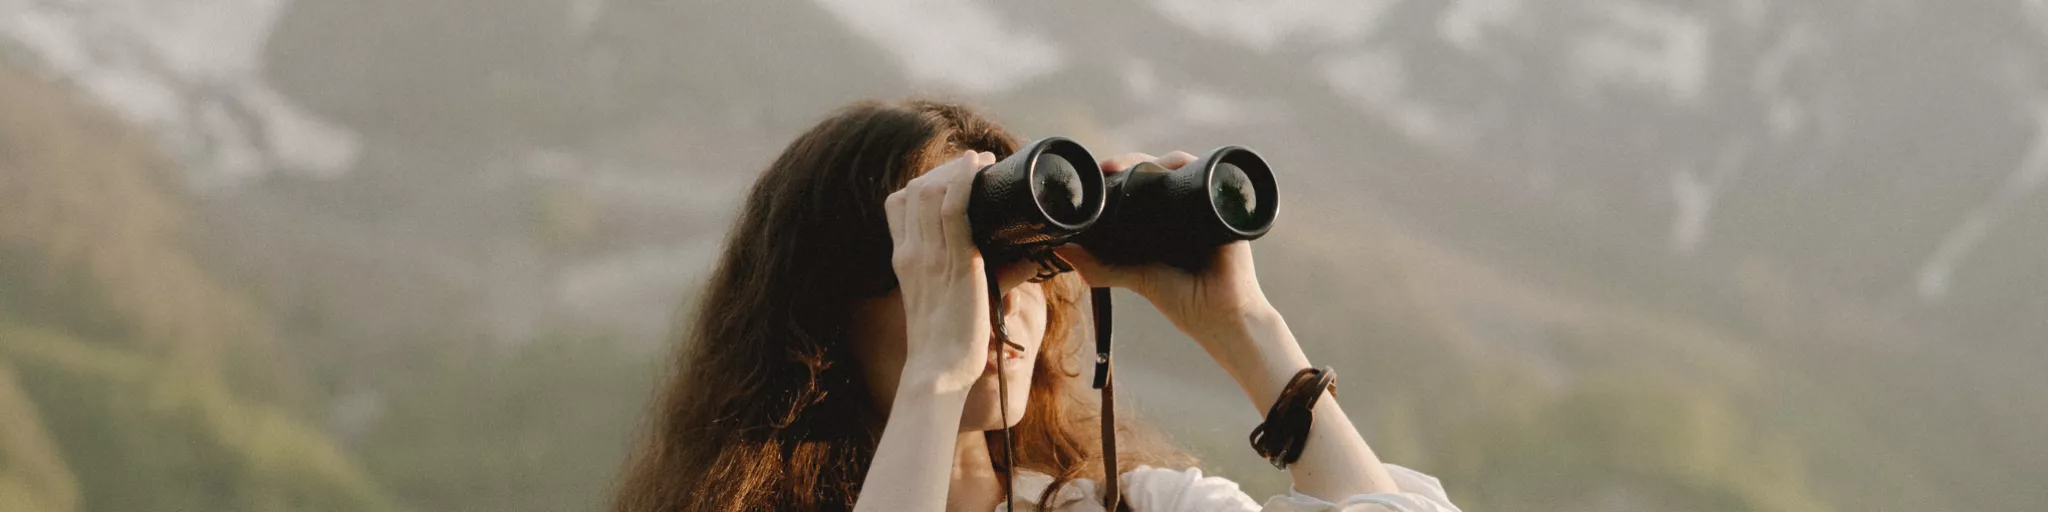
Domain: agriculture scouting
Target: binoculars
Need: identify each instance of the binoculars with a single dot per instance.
(1051, 192)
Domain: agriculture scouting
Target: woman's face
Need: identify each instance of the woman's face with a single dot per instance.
(880, 344)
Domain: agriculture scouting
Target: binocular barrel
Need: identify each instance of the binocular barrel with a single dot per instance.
(1039, 197)
(1052, 192)
(1180, 216)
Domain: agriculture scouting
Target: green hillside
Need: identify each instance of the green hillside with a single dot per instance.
(130, 379)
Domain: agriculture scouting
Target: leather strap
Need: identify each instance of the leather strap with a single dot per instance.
(1284, 433)
(1002, 339)
(1099, 298)
(1105, 380)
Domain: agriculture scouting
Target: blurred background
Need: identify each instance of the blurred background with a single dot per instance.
(1603, 255)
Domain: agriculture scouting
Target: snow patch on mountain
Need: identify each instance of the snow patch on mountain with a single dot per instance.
(1785, 114)
(1936, 273)
(1265, 26)
(190, 70)
(1695, 195)
(961, 44)
(1655, 49)
(1170, 110)
(1466, 23)
(2037, 13)
(1376, 81)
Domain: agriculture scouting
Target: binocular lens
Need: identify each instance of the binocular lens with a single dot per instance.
(1058, 189)
(1040, 196)
(1051, 192)
(1180, 216)
(1235, 197)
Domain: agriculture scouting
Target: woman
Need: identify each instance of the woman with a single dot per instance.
(839, 358)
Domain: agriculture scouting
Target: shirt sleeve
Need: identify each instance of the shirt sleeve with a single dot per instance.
(1152, 489)
(1419, 493)
(1163, 490)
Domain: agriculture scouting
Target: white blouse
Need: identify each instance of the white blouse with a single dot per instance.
(1150, 489)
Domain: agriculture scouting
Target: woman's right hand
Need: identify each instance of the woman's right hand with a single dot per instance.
(940, 274)
(1202, 304)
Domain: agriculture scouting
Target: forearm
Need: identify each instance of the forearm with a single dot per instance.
(1260, 353)
(912, 465)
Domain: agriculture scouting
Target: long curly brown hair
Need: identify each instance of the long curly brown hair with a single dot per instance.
(766, 408)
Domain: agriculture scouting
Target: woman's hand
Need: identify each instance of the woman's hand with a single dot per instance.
(1224, 310)
(945, 315)
(939, 272)
(1204, 305)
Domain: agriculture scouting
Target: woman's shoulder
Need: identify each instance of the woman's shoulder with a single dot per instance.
(1148, 489)
(1144, 488)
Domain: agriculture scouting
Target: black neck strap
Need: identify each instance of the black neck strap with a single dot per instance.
(995, 322)
(1099, 299)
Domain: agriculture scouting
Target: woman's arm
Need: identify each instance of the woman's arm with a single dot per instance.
(1224, 310)
(913, 465)
(945, 308)
(1260, 353)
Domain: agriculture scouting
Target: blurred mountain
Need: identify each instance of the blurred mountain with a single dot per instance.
(129, 378)
(1592, 255)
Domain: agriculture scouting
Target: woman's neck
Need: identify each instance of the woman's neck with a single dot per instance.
(975, 487)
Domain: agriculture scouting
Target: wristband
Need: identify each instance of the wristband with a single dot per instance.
(1281, 437)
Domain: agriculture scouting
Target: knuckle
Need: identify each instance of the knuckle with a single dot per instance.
(1124, 161)
(928, 263)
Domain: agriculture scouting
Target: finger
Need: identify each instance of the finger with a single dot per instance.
(1016, 273)
(945, 169)
(892, 209)
(1124, 161)
(927, 199)
(1238, 254)
(927, 193)
(1096, 273)
(953, 209)
(1176, 159)
(915, 236)
(911, 237)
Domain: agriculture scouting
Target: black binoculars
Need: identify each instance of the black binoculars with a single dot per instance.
(1052, 192)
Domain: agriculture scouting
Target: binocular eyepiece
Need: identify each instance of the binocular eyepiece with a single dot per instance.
(1052, 192)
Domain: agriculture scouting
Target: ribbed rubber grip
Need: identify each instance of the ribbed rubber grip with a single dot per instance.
(1008, 210)
(1154, 214)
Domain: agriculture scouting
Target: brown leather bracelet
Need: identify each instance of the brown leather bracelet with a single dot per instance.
(1281, 437)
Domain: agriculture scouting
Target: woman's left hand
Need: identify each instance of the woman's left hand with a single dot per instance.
(1205, 304)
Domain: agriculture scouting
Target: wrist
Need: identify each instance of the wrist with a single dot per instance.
(1233, 326)
(927, 392)
(932, 381)
(1258, 351)
(1221, 319)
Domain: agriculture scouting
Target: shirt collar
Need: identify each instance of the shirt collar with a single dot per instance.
(1031, 484)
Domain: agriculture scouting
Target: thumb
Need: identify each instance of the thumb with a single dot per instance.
(1094, 271)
